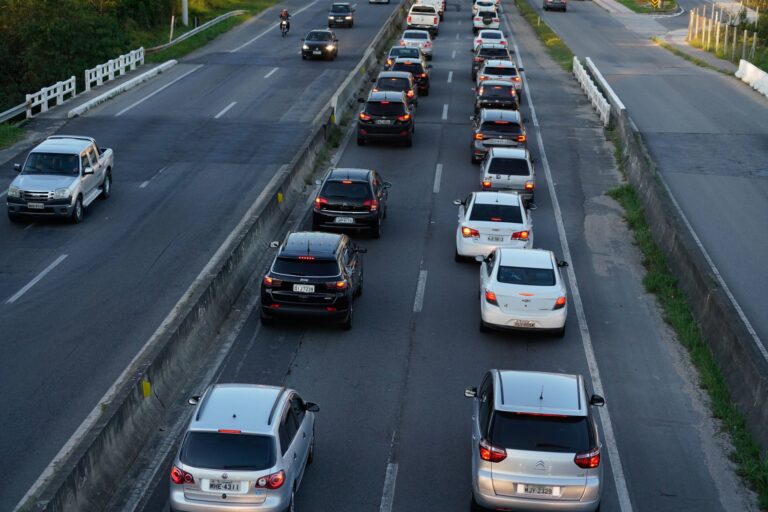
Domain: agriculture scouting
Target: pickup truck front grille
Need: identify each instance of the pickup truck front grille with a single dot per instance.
(32, 197)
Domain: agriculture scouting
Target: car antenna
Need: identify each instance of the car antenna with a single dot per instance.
(497, 197)
(541, 395)
(308, 245)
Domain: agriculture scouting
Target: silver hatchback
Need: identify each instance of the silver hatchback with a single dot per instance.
(245, 450)
(535, 445)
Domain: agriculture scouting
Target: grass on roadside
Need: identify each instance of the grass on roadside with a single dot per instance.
(644, 6)
(683, 55)
(555, 46)
(761, 54)
(196, 41)
(660, 281)
(9, 135)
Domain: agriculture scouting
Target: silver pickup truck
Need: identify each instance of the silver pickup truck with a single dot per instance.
(61, 176)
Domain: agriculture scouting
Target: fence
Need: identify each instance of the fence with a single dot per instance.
(593, 93)
(112, 67)
(724, 32)
(44, 96)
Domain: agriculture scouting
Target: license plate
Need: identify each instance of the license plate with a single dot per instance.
(498, 141)
(527, 323)
(35, 206)
(223, 485)
(304, 288)
(495, 238)
(344, 220)
(316, 52)
(538, 489)
(383, 121)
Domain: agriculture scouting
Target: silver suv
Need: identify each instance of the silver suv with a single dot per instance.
(535, 445)
(246, 449)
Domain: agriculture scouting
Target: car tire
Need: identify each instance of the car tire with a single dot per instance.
(560, 333)
(483, 327)
(292, 504)
(106, 186)
(14, 217)
(359, 291)
(77, 211)
(347, 324)
(429, 57)
(474, 507)
(265, 319)
(409, 141)
(360, 141)
(376, 231)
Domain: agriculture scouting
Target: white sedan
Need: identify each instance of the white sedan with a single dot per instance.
(418, 39)
(488, 220)
(522, 289)
(489, 36)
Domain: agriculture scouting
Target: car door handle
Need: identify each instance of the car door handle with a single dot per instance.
(294, 456)
(304, 435)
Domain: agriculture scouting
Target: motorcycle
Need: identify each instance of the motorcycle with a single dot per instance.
(283, 27)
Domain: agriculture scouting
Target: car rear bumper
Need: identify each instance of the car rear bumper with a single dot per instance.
(384, 132)
(298, 311)
(527, 195)
(479, 149)
(430, 28)
(179, 503)
(494, 317)
(483, 491)
(343, 23)
(468, 248)
(327, 220)
(506, 105)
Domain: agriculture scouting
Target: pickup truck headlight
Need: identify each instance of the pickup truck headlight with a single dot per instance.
(305, 47)
(61, 193)
(14, 192)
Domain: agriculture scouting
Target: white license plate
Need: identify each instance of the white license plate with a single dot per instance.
(495, 238)
(344, 220)
(35, 206)
(498, 141)
(383, 121)
(316, 52)
(304, 288)
(538, 489)
(223, 486)
(524, 323)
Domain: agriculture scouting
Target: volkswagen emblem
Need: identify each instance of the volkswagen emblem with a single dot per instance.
(224, 476)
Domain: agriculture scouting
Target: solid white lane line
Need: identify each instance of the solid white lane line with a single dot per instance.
(271, 73)
(388, 496)
(438, 177)
(625, 505)
(158, 91)
(457, 37)
(453, 54)
(225, 110)
(445, 112)
(158, 173)
(29, 226)
(421, 287)
(450, 76)
(270, 28)
(36, 280)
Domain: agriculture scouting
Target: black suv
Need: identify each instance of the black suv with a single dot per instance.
(385, 115)
(341, 15)
(499, 94)
(314, 275)
(492, 51)
(399, 81)
(351, 199)
(496, 128)
(417, 69)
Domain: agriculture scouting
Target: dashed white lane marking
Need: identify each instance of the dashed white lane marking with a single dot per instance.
(457, 37)
(36, 280)
(270, 28)
(2, 194)
(388, 496)
(625, 505)
(438, 177)
(158, 173)
(459, 23)
(225, 110)
(453, 54)
(421, 287)
(29, 226)
(158, 91)
(271, 73)
(450, 76)
(445, 112)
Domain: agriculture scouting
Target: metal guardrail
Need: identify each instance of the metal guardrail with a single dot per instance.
(195, 31)
(13, 112)
(113, 67)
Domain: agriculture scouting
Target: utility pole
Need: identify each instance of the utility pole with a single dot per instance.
(185, 12)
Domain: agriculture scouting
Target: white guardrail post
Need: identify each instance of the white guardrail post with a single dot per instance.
(593, 93)
(107, 71)
(42, 97)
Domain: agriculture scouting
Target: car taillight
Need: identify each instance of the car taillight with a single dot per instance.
(495, 20)
(373, 204)
(410, 95)
(521, 235)
(423, 75)
(273, 481)
(588, 460)
(477, 19)
(469, 232)
(477, 59)
(559, 303)
(404, 117)
(337, 285)
(434, 20)
(479, 136)
(515, 78)
(491, 453)
(483, 77)
(409, 19)
(529, 185)
(521, 138)
(375, 89)
(402, 42)
(389, 61)
(271, 281)
(477, 41)
(503, 42)
(364, 116)
(490, 298)
(179, 476)
(486, 184)
(320, 201)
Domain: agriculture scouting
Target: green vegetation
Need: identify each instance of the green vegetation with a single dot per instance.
(760, 29)
(9, 135)
(196, 41)
(645, 7)
(555, 46)
(660, 281)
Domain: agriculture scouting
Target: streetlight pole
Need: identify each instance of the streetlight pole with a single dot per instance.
(185, 12)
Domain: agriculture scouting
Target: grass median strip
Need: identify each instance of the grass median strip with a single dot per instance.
(555, 46)
(9, 135)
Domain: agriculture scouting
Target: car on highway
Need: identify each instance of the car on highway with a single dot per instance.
(488, 220)
(246, 447)
(423, 17)
(417, 69)
(509, 169)
(496, 128)
(314, 275)
(320, 43)
(485, 19)
(411, 52)
(488, 51)
(439, 5)
(385, 116)
(489, 36)
(497, 69)
(378, 1)
(560, 5)
(535, 442)
(60, 177)
(522, 289)
(399, 81)
(353, 199)
(482, 5)
(419, 39)
(499, 94)
(341, 15)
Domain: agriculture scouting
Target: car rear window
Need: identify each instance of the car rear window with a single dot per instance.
(405, 52)
(488, 14)
(393, 84)
(212, 450)
(492, 53)
(570, 434)
(490, 35)
(297, 267)
(354, 190)
(501, 127)
(526, 276)
(496, 213)
(423, 9)
(413, 68)
(494, 91)
(500, 71)
(509, 166)
(385, 108)
(415, 35)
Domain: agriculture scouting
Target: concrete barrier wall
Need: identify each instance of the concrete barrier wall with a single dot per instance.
(84, 477)
(753, 76)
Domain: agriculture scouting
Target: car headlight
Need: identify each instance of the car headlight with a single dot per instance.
(329, 47)
(61, 193)
(305, 47)
(348, 17)
(14, 192)
(330, 17)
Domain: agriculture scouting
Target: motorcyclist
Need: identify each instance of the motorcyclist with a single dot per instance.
(284, 16)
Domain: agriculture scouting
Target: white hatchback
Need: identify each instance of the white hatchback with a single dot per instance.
(522, 289)
(418, 39)
(488, 220)
(489, 36)
(509, 169)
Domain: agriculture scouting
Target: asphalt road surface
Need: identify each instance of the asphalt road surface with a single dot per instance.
(391, 389)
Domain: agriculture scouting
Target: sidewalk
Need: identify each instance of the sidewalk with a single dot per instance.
(676, 39)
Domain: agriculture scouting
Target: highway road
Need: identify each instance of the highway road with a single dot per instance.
(193, 149)
(391, 389)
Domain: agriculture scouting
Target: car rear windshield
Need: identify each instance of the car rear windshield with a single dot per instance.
(354, 190)
(393, 84)
(212, 450)
(493, 53)
(405, 51)
(495, 91)
(341, 9)
(570, 434)
(501, 128)
(313, 268)
(488, 14)
(496, 213)
(413, 68)
(500, 71)
(423, 9)
(416, 35)
(385, 108)
(52, 163)
(509, 166)
(526, 276)
(490, 35)
(319, 36)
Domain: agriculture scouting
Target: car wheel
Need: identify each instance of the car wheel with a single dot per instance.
(106, 187)
(292, 503)
(483, 327)
(474, 507)
(360, 141)
(560, 333)
(376, 232)
(77, 211)
(266, 319)
(359, 291)
(347, 324)
(15, 218)
(409, 141)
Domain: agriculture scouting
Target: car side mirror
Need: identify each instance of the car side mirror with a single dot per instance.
(318, 181)
(386, 184)
(562, 264)
(17, 167)
(470, 392)
(480, 259)
(274, 245)
(532, 206)
(311, 407)
(194, 400)
(360, 100)
(521, 69)
(88, 170)
(597, 400)
(102, 150)
(429, 66)
(458, 202)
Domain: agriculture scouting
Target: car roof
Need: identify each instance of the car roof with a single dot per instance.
(395, 74)
(540, 393)
(386, 96)
(518, 153)
(488, 197)
(346, 4)
(68, 144)
(500, 63)
(244, 407)
(495, 114)
(349, 173)
(313, 243)
(527, 258)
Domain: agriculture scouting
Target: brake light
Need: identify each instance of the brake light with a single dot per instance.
(477, 19)
(385, 103)
(483, 77)
(521, 235)
(521, 138)
(503, 42)
(560, 303)
(273, 481)
(320, 201)
(409, 19)
(228, 431)
(478, 41)
(346, 182)
(375, 89)
(481, 91)
(469, 232)
(479, 136)
(179, 476)
(491, 453)
(364, 116)
(486, 184)
(588, 460)
(372, 204)
(307, 258)
(490, 298)
(404, 117)
(515, 78)
(529, 185)
(336, 285)
(434, 20)
(477, 59)
(389, 61)
(496, 219)
(410, 95)
(271, 281)
(423, 75)
(512, 91)
(428, 44)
